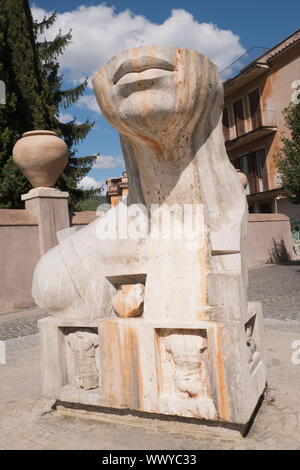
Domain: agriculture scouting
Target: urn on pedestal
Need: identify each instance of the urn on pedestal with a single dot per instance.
(41, 156)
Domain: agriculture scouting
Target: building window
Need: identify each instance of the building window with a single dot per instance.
(244, 168)
(265, 208)
(258, 180)
(237, 163)
(225, 122)
(259, 165)
(255, 111)
(254, 167)
(239, 118)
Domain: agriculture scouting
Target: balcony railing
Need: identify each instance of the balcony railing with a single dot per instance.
(113, 188)
(268, 118)
(260, 124)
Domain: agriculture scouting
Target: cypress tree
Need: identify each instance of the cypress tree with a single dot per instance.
(25, 106)
(71, 132)
(34, 97)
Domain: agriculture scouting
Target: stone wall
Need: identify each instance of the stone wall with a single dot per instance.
(81, 219)
(19, 253)
(23, 239)
(269, 239)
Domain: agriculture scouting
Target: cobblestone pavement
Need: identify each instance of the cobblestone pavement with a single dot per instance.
(29, 422)
(20, 323)
(278, 288)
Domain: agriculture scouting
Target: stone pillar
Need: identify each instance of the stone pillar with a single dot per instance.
(50, 206)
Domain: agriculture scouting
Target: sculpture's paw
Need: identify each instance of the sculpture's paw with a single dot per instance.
(129, 301)
(52, 287)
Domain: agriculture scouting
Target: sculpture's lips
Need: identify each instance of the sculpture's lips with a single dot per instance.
(140, 65)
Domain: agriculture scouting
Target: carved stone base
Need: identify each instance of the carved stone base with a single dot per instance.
(162, 423)
(199, 370)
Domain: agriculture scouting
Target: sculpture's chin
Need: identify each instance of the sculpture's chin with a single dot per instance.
(149, 119)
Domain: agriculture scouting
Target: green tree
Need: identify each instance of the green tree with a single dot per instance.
(72, 132)
(29, 67)
(25, 106)
(288, 157)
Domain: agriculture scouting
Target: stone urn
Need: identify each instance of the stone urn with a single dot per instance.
(41, 156)
(243, 178)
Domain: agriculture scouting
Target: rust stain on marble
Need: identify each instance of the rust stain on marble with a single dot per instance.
(133, 381)
(222, 392)
(167, 132)
(203, 273)
(180, 57)
(158, 360)
(113, 379)
(155, 146)
(203, 260)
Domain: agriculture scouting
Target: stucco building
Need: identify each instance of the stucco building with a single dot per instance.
(116, 188)
(253, 123)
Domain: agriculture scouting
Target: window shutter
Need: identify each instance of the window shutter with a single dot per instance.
(225, 122)
(255, 111)
(264, 172)
(253, 177)
(238, 110)
(237, 163)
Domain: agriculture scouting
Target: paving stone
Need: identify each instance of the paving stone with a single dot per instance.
(278, 288)
(19, 327)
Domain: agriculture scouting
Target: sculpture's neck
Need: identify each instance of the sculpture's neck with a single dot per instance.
(166, 176)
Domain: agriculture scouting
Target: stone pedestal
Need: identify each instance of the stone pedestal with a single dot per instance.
(167, 368)
(50, 206)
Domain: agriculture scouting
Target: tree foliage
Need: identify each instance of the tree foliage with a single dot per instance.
(34, 96)
(25, 106)
(288, 157)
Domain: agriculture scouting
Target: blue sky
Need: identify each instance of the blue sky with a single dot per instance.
(223, 30)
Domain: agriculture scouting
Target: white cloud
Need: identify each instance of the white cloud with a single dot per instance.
(65, 117)
(89, 102)
(108, 161)
(89, 183)
(98, 32)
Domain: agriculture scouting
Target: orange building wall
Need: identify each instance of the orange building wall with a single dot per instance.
(276, 93)
(114, 200)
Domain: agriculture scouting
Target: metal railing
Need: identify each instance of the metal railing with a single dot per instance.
(268, 117)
